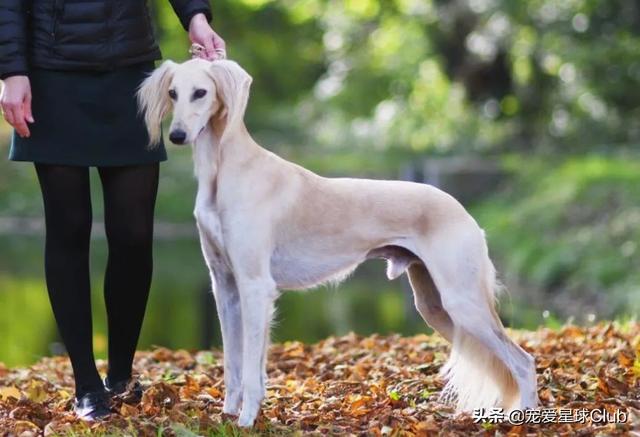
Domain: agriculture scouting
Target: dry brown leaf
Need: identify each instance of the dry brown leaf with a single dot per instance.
(349, 385)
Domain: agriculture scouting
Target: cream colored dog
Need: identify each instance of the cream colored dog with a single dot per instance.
(267, 224)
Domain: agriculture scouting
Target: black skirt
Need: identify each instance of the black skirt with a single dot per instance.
(88, 119)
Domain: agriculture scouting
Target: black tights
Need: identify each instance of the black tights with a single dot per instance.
(129, 201)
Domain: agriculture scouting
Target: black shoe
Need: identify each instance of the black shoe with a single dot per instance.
(128, 391)
(92, 406)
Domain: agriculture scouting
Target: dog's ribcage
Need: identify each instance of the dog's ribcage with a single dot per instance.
(300, 265)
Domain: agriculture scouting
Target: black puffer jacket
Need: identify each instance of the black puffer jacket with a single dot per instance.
(81, 34)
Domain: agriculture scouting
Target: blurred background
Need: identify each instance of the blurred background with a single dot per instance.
(526, 111)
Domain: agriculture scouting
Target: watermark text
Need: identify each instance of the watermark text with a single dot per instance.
(549, 415)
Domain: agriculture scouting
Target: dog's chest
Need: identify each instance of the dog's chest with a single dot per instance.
(302, 267)
(211, 235)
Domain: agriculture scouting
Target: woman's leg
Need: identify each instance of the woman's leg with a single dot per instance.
(67, 207)
(129, 199)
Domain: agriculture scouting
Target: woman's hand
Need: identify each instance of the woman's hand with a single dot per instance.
(16, 104)
(200, 32)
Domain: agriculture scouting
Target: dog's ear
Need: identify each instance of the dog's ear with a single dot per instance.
(153, 100)
(232, 84)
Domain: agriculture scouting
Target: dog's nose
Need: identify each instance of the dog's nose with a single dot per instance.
(178, 136)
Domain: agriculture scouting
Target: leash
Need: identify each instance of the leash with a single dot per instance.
(196, 51)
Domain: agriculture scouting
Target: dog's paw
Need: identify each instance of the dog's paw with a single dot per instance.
(530, 402)
(246, 419)
(249, 413)
(232, 403)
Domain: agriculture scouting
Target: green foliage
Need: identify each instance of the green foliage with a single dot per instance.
(572, 228)
(407, 77)
(435, 76)
(361, 88)
(24, 303)
(283, 54)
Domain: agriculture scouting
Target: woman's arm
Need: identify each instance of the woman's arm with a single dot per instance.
(195, 16)
(16, 92)
(187, 9)
(13, 38)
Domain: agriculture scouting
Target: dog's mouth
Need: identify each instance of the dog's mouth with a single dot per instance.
(199, 133)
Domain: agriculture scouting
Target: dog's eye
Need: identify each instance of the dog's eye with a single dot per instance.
(198, 94)
(173, 94)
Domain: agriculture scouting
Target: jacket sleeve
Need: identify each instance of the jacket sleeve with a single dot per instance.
(13, 38)
(186, 9)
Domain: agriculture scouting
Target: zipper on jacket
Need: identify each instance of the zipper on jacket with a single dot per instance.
(109, 25)
(58, 9)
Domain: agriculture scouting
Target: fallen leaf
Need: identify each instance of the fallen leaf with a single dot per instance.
(9, 392)
(36, 391)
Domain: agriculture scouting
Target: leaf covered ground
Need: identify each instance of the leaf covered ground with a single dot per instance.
(347, 385)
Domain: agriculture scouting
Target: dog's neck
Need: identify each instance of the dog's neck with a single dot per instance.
(211, 155)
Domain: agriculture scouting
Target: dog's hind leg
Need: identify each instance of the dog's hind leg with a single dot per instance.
(486, 368)
(428, 302)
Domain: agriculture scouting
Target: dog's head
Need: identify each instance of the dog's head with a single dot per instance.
(196, 91)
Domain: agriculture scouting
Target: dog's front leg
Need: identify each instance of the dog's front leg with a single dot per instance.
(257, 298)
(227, 299)
(230, 316)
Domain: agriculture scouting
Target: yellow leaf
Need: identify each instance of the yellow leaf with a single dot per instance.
(358, 404)
(214, 392)
(294, 350)
(292, 385)
(624, 359)
(368, 343)
(9, 392)
(636, 362)
(36, 392)
(127, 410)
(636, 368)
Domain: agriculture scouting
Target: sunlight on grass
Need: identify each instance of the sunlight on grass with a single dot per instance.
(25, 312)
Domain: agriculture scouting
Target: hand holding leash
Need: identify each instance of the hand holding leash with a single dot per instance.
(212, 46)
(198, 51)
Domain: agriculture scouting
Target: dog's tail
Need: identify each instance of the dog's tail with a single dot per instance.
(476, 376)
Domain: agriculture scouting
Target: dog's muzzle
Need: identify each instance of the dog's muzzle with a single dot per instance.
(178, 136)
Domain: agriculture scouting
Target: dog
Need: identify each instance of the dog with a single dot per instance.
(266, 224)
